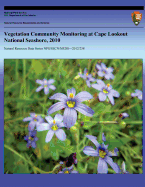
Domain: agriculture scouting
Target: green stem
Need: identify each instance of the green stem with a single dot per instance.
(127, 108)
(45, 99)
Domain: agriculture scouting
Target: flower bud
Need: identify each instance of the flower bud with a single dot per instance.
(127, 93)
(73, 129)
(122, 124)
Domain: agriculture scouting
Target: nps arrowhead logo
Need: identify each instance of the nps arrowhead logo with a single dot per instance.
(136, 17)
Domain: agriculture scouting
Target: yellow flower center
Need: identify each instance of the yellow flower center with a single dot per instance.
(71, 95)
(66, 172)
(45, 86)
(105, 91)
(35, 117)
(102, 154)
(108, 85)
(54, 122)
(54, 127)
(30, 138)
(87, 74)
(70, 104)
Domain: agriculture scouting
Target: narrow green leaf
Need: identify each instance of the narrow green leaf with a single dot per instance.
(117, 142)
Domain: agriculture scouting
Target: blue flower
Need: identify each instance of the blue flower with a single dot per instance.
(104, 71)
(53, 126)
(138, 93)
(46, 84)
(103, 154)
(31, 139)
(123, 115)
(105, 90)
(87, 77)
(71, 103)
(123, 170)
(34, 119)
(68, 170)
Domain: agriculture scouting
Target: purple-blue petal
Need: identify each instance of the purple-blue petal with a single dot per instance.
(49, 136)
(27, 119)
(102, 166)
(103, 66)
(49, 119)
(58, 118)
(56, 107)
(50, 81)
(74, 172)
(26, 137)
(84, 109)
(36, 139)
(39, 88)
(46, 90)
(60, 134)
(83, 96)
(93, 139)
(59, 96)
(110, 70)
(52, 87)
(97, 87)
(103, 137)
(85, 71)
(39, 81)
(101, 82)
(133, 94)
(98, 67)
(88, 150)
(72, 90)
(102, 96)
(88, 83)
(114, 93)
(115, 152)
(114, 166)
(110, 96)
(101, 73)
(70, 117)
(140, 97)
(31, 126)
(33, 144)
(125, 115)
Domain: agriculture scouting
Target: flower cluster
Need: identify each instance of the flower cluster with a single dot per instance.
(34, 121)
(72, 104)
(31, 139)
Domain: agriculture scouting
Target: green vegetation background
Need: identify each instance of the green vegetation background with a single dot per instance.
(20, 99)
